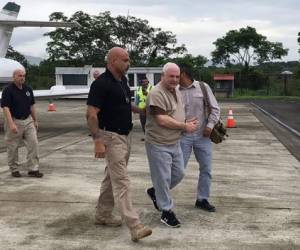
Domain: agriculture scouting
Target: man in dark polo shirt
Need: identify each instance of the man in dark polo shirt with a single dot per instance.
(20, 124)
(110, 122)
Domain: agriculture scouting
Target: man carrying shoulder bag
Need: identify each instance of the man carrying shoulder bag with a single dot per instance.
(199, 141)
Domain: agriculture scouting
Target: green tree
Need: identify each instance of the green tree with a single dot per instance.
(97, 34)
(84, 45)
(15, 55)
(245, 47)
(195, 63)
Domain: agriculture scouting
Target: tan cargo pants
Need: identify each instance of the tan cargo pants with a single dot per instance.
(27, 134)
(115, 185)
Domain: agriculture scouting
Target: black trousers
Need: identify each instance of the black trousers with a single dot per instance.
(143, 121)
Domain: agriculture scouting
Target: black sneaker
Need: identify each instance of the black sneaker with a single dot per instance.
(36, 174)
(204, 204)
(151, 194)
(169, 219)
(16, 174)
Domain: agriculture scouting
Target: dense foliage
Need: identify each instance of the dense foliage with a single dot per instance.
(89, 44)
(244, 53)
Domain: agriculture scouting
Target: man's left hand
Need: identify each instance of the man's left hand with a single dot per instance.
(207, 132)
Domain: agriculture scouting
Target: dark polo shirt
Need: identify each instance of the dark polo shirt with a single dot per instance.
(19, 101)
(112, 97)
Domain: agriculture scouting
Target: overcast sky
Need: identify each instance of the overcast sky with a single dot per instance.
(196, 23)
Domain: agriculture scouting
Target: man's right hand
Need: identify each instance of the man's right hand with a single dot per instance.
(99, 148)
(191, 125)
(13, 128)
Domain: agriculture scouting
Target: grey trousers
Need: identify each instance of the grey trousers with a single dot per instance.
(27, 134)
(166, 169)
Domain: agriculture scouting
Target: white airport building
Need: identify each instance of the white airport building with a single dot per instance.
(82, 77)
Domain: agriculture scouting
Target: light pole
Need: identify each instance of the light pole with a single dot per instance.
(285, 75)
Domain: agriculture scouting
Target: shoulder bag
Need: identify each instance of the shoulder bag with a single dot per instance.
(218, 133)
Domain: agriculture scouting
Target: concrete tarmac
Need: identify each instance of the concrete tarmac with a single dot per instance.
(255, 188)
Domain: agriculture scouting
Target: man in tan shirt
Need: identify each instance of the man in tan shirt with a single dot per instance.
(164, 126)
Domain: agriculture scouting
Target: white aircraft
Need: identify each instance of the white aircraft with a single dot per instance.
(8, 22)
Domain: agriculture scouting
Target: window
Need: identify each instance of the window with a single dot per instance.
(72, 79)
(131, 79)
(157, 77)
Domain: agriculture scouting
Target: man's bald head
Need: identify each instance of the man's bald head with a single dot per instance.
(18, 71)
(118, 61)
(19, 76)
(114, 53)
(96, 74)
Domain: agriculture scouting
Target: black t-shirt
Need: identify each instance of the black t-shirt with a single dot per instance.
(112, 97)
(19, 101)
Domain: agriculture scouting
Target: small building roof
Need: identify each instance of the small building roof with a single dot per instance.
(223, 77)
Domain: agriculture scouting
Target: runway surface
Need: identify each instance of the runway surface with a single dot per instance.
(255, 189)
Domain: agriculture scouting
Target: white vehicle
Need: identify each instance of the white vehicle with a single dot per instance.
(8, 22)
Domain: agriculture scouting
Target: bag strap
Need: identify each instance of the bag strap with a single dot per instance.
(206, 99)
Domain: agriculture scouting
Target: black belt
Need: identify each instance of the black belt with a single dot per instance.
(117, 130)
(22, 117)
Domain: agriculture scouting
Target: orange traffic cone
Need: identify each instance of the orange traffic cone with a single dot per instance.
(230, 120)
(51, 107)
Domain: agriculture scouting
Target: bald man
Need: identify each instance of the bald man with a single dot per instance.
(20, 124)
(96, 74)
(110, 122)
(164, 126)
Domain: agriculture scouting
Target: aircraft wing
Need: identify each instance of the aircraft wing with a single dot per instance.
(60, 91)
(19, 23)
(57, 91)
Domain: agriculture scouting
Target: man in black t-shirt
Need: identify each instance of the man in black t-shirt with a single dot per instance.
(20, 124)
(110, 122)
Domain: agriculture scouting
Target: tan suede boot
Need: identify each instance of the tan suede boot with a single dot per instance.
(139, 232)
(111, 221)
